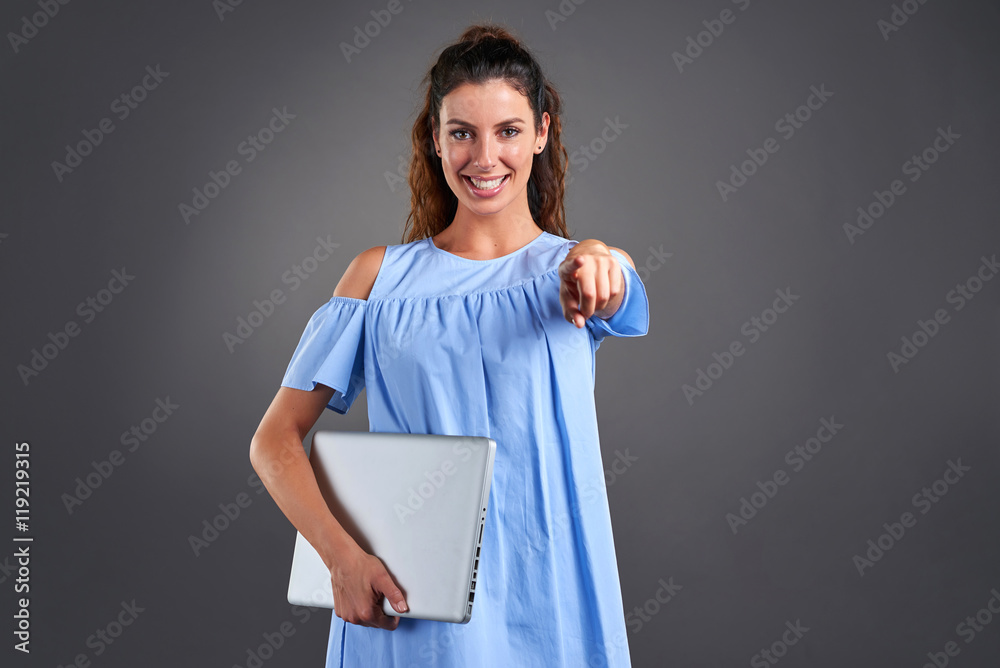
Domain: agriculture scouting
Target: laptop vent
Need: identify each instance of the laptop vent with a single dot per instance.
(475, 566)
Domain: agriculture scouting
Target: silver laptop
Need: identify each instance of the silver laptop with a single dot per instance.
(417, 502)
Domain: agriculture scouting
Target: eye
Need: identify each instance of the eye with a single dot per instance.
(513, 132)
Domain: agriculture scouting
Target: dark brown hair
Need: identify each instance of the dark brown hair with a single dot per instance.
(485, 52)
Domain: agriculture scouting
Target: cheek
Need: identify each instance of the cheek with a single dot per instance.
(455, 157)
(517, 155)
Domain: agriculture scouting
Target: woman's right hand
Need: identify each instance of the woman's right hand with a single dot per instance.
(359, 581)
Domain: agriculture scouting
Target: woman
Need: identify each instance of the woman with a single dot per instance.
(463, 329)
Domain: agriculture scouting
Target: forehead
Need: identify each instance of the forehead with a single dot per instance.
(482, 102)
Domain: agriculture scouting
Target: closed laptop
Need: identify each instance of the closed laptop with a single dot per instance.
(417, 502)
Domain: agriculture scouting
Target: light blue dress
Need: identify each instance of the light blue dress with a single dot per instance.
(449, 345)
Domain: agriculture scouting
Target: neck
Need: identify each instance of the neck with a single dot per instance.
(484, 237)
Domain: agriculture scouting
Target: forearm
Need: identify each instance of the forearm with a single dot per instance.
(284, 468)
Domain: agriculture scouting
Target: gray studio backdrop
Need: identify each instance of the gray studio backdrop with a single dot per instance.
(801, 453)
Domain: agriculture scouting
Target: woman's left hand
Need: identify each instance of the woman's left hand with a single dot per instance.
(590, 281)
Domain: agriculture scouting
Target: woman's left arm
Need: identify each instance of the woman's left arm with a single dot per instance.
(591, 281)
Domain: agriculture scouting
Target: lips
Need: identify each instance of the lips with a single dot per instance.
(488, 191)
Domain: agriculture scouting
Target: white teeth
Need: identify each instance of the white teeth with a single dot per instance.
(487, 185)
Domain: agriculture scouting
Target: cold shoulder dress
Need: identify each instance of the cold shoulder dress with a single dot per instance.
(449, 345)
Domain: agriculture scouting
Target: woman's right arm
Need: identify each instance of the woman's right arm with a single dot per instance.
(278, 457)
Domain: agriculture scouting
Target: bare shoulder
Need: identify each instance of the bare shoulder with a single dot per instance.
(627, 256)
(359, 277)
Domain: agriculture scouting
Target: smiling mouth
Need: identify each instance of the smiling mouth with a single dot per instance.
(486, 185)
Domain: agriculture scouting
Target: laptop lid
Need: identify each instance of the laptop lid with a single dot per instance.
(417, 502)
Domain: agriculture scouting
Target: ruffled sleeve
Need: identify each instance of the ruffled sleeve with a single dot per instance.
(331, 351)
(632, 316)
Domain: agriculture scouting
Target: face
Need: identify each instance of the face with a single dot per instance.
(486, 140)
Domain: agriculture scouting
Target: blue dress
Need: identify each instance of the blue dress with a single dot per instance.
(449, 345)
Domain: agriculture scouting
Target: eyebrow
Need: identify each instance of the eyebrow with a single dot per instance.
(458, 121)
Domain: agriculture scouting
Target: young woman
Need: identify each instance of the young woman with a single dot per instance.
(483, 322)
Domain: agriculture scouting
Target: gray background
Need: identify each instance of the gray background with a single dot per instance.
(653, 187)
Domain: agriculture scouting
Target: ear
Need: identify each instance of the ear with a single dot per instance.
(542, 137)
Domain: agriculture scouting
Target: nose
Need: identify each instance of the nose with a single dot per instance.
(486, 153)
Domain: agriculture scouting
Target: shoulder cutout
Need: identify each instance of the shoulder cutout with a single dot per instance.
(627, 256)
(359, 278)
